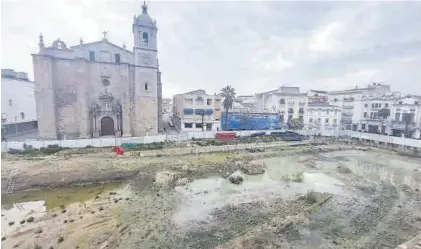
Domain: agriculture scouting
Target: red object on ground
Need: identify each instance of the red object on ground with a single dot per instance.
(118, 150)
(223, 136)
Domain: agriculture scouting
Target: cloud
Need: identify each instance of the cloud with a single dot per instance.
(253, 46)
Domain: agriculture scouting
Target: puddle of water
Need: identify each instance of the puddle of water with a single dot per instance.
(53, 198)
(19, 212)
(376, 166)
(201, 197)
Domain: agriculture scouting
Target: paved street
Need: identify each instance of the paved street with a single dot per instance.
(165, 120)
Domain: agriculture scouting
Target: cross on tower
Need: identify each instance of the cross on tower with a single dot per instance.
(105, 34)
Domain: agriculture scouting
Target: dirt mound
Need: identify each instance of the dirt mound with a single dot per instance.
(343, 170)
(253, 167)
(166, 178)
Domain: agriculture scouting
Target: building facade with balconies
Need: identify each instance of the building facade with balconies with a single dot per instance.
(405, 117)
(197, 111)
(351, 103)
(287, 101)
(322, 116)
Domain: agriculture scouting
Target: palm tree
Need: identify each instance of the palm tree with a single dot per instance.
(228, 93)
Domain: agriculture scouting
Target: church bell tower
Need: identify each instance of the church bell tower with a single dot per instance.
(145, 52)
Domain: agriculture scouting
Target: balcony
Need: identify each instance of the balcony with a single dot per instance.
(400, 125)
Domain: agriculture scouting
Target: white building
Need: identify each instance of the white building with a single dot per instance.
(322, 116)
(167, 106)
(372, 121)
(407, 106)
(18, 110)
(351, 103)
(197, 111)
(287, 101)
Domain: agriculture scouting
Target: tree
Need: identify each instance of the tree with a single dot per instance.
(228, 93)
(407, 119)
(383, 114)
(296, 124)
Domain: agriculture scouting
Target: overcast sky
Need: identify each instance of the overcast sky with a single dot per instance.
(254, 46)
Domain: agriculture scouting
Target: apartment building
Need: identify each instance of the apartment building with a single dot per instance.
(167, 106)
(376, 112)
(405, 115)
(197, 111)
(18, 109)
(351, 102)
(287, 101)
(322, 116)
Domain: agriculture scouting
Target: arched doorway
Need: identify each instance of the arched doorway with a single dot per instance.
(107, 126)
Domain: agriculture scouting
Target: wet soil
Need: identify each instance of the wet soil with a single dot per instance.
(305, 199)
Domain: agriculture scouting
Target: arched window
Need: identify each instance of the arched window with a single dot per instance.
(145, 38)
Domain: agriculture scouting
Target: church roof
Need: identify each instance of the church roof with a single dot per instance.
(101, 41)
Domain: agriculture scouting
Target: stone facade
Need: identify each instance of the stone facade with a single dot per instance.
(99, 89)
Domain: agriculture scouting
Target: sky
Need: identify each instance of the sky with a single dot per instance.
(252, 46)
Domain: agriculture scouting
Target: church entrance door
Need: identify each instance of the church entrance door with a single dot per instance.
(107, 126)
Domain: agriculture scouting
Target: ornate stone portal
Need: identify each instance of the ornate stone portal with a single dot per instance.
(106, 116)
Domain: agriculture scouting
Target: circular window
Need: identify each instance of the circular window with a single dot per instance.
(106, 82)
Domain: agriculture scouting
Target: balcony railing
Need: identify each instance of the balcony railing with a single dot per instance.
(348, 99)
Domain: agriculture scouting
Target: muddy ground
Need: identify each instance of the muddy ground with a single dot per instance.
(306, 198)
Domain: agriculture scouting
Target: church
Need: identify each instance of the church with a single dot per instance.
(99, 89)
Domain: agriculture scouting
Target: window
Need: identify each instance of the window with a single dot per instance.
(366, 105)
(3, 117)
(199, 125)
(209, 126)
(372, 105)
(301, 110)
(386, 105)
(117, 58)
(335, 121)
(188, 111)
(416, 102)
(397, 116)
(282, 101)
(289, 118)
(365, 114)
(209, 101)
(199, 100)
(10, 102)
(380, 105)
(326, 121)
(146, 86)
(400, 102)
(301, 118)
(363, 127)
(335, 100)
(22, 115)
(188, 125)
(327, 112)
(189, 101)
(145, 39)
(91, 55)
(290, 110)
(371, 115)
(310, 120)
(281, 118)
